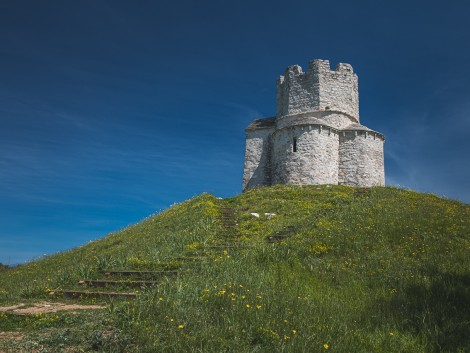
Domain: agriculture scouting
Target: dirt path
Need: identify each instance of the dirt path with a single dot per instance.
(11, 336)
(41, 308)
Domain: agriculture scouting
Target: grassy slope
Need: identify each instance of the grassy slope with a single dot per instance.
(387, 270)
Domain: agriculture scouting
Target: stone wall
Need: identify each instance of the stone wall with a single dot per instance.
(296, 92)
(332, 119)
(338, 88)
(361, 159)
(318, 89)
(314, 162)
(257, 158)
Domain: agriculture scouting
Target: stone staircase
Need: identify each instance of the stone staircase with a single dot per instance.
(116, 283)
(127, 283)
(229, 223)
(283, 234)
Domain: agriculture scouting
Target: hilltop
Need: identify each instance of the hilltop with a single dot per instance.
(275, 269)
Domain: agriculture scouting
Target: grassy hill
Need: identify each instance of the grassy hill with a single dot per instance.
(336, 269)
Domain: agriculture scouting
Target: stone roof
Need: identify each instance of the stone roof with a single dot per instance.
(264, 123)
(356, 126)
(269, 123)
(359, 127)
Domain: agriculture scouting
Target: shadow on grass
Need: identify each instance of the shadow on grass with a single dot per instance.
(438, 310)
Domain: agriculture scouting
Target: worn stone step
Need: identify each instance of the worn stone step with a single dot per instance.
(191, 258)
(285, 231)
(362, 191)
(227, 247)
(277, 238)
(138, 273)
(104, 283)
(87, 294)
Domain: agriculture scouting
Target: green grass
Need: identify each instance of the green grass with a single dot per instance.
(366, 270)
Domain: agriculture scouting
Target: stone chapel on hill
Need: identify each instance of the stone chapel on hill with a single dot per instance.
(316, 136)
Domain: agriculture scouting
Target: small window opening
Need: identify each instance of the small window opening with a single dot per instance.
(294, 145)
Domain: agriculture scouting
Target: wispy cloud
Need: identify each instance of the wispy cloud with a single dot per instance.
(428, 152)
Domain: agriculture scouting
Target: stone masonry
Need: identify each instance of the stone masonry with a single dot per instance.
(316, 136)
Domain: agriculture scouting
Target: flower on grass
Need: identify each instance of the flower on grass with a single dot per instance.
(248, 306)
(326, 346)
(181, 326)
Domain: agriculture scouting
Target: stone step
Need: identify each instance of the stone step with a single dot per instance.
(227, 247)
(277, 238)
(105, 283)
(138, 273)
(191, 258)
(362, 191)
(87, 294)
(232, 246)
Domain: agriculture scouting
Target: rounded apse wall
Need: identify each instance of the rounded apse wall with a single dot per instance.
(361, 159)
(305, 154)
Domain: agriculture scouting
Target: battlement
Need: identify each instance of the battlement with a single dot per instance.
(318, 89)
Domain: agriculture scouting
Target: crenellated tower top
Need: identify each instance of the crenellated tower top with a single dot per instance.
(318, 89)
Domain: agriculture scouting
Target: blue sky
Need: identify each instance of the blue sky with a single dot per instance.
(113, 110)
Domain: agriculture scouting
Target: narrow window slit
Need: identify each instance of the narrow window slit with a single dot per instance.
(294, 144)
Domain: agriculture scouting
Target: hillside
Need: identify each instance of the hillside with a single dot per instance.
(335, 269)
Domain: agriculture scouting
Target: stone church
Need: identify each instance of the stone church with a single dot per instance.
(316, 136)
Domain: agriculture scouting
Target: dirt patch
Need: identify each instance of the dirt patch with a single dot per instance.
(11, 336)
(42, 308)
(4, 309)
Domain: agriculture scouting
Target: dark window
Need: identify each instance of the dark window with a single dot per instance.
(294, 145)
